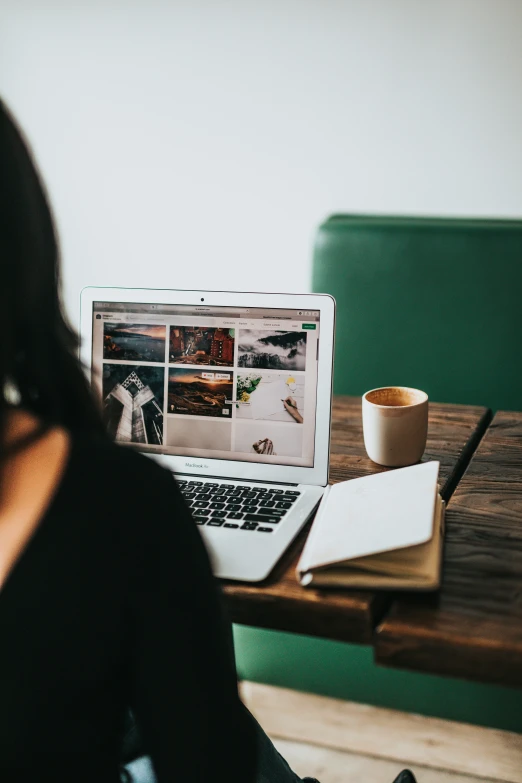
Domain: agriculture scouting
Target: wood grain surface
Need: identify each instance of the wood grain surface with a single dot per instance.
(280, 603)
(473, 627)
(321, 721)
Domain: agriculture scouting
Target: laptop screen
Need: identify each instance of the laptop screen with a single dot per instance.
(225, 383)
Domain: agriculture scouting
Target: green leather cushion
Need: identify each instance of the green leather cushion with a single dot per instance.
(426, 302)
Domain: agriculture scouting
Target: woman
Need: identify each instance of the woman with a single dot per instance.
(107, 600)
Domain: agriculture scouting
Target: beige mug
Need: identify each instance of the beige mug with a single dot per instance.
(395, 425)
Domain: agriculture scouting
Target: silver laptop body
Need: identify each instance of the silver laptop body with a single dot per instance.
(232, 391)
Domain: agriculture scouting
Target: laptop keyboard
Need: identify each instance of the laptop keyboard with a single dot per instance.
(245, 507)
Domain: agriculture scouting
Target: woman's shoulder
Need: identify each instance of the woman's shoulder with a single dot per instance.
(118, 470)
(125, 456)
(122, 489)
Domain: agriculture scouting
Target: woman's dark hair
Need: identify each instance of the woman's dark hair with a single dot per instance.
(39, 365)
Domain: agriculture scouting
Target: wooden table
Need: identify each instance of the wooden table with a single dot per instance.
(473, 627)
(281, 603)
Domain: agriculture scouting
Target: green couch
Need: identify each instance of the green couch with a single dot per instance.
(436, 304)
(427, 302)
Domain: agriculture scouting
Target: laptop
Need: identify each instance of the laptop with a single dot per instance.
(232, 392)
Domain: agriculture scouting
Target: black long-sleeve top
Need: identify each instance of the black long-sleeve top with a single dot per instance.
(113, 604)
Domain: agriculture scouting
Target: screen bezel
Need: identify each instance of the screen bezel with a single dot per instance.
(223, 468)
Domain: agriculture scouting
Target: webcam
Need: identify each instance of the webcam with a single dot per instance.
(202, 298)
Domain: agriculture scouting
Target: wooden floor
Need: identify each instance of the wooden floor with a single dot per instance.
(343, 742)
(337, 766)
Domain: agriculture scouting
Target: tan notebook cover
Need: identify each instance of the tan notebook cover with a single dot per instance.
(383, 531)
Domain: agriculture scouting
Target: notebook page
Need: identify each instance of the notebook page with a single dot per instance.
(373, 514)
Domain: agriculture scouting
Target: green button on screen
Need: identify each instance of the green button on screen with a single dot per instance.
(309, 326)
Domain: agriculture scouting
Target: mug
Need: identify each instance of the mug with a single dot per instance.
(395, 425)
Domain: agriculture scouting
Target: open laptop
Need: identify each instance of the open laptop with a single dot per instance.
(231, 391)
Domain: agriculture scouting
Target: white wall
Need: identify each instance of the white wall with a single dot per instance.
(199, 143)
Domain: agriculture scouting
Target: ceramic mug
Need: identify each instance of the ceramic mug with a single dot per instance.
(395, 425)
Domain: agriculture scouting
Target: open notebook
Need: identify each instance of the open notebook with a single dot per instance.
(381, 531)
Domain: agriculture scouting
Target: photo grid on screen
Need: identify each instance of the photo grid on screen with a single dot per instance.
(214, 385)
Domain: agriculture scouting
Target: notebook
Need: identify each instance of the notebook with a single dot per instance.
(232, 392)
(379, 532)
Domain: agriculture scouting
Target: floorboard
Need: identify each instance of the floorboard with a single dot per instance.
(336, 766)
(403, 739)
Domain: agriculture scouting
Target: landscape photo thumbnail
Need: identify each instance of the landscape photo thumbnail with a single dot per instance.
(272, 350)
(134, 342)
(133, 398)
(200, 393)
(208, 345)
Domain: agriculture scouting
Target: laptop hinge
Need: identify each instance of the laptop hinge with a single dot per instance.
(234, 478)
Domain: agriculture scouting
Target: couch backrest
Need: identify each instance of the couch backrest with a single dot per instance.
(433, 303)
